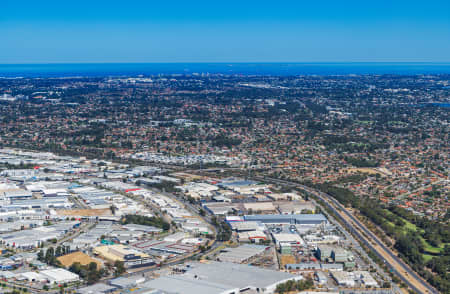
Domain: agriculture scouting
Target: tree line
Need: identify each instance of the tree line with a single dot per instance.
(291, 285)
(409, 243)
(146, 221)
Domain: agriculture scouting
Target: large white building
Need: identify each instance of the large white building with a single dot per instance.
(344, 279)
(59, 275)
(222, 278)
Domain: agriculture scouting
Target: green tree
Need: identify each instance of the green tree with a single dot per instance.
(40, 255)
(92, 266)
(120, 268)
(49, 255)
(58, 251)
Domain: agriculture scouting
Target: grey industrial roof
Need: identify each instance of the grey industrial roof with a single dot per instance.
(122, 282)
(163, 246)
(18, 193)
(143, 228)
(56, 199)
(328, 266)
(184, 285)
(245, 226)
(149, 291)
(302, 266)
(96, 288)
(241, 253)
(298, 217)
(237, 275)
(218, 277)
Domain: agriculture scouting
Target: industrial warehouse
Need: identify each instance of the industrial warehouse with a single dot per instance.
(98, 217)
(220, 278)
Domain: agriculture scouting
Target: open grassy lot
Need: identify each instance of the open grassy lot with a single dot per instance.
(427, 246)
(427, 257)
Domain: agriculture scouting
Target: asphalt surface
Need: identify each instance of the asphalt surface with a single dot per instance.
(401, 269)
(194, 210)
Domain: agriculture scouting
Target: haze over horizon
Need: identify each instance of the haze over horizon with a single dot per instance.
(251, 31)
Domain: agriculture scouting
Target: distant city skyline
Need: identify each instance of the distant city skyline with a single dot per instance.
(236, 31)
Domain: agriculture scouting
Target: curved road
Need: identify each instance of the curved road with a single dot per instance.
(400, 268)
(213, 244)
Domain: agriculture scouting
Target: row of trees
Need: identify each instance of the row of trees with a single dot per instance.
(50, 255)
(343, 195)
(223, 230)
(361, 162)
(291, 285)
(409, 243)
(90, 273)
(165, 186)
(435, 232)
(222, 140)
(146, 221)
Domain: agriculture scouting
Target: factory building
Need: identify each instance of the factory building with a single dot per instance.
(130, 257)
(242, 253)
(343, 279)
(299, 219)
(221, 278)
(365, 279)
(59, 276)
(17, 194)
(323, 252)
(338, 254)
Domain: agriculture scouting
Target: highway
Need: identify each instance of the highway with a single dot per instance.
(400, 268)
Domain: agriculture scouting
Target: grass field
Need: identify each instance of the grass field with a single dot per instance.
(410, 226)
(427, 257)
(427, 246)
(366, 170)
(432, 249)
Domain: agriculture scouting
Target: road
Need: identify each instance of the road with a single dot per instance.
(404, 195)
(400, 268)
(213, 246)
(75, 234)
(361, 251)
(179, 260)
(30, 289)
(78, 202)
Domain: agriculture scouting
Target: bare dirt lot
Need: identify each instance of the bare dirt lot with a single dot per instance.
(83, 259)
(365, 170)
(86, 212)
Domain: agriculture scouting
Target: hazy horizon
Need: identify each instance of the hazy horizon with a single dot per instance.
(276, 69)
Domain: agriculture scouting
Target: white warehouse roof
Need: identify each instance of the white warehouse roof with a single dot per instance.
(59, 275)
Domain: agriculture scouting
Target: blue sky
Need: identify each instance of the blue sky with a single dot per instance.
(224, 31)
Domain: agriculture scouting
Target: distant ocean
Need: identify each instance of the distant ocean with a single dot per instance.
(277, 69)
